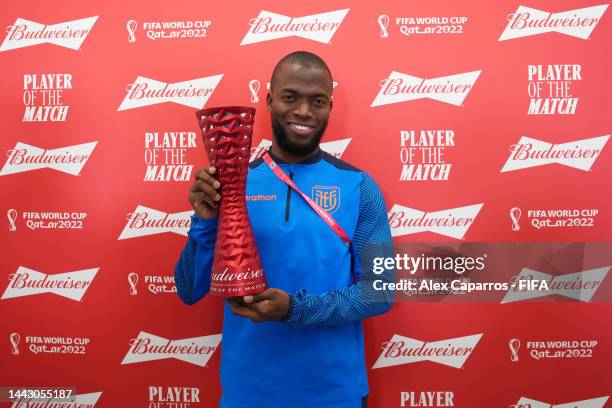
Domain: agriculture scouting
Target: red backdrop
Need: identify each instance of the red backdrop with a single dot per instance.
(91, 132)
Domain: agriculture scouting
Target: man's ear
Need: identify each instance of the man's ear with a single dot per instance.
(331, 104)
(269, 101)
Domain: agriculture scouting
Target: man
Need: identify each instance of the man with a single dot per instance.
(298, 344)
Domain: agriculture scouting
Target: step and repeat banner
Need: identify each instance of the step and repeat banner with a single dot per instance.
(486, 125)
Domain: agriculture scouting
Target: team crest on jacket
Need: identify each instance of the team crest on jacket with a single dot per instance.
(328, 197)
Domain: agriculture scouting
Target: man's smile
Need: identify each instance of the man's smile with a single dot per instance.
(301, 129)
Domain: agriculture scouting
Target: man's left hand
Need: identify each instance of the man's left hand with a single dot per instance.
(271, 304)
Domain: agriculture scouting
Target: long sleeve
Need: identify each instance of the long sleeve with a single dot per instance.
(193, 269)
(372, 238)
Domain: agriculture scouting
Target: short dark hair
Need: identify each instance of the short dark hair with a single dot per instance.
(303, 58)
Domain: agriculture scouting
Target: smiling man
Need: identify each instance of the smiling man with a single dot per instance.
(298, 126)
(298, 344)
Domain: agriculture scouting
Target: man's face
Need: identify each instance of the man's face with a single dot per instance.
(300, 102)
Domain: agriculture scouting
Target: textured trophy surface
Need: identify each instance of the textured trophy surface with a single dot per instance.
(237, 269)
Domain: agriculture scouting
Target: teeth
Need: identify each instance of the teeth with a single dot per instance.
(301, 127)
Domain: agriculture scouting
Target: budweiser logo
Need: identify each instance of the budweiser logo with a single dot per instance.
(527, 21)
(529, 152)
(69, 159)
(27, 282)
(149, 347)
(335, 148)
(590, 403)
(453, 222)
(400, 87)
(80, 401)
(271, 26)
(193, 93)
(147, 221)
(405, 350)
(580, 285)
(70, 34)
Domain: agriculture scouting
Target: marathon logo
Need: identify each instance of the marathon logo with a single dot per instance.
(261, 197)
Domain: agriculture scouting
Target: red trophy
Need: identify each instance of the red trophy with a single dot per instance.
(237, 269)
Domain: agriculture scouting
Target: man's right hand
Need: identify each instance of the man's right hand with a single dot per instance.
(204, 193)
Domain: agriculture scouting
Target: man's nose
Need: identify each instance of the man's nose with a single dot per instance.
(303, 109)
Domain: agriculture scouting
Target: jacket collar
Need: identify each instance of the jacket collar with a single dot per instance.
(315, 158)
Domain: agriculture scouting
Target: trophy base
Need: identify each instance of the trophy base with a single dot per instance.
(227, 283)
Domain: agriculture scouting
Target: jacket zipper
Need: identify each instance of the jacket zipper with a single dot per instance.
(288, 202)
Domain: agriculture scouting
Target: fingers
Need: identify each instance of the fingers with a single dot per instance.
(267, 294)
(209, 192)
(263, 309)
(271, 304)
(202, 200)
(203, 193)
(205, 175)
(244, 311)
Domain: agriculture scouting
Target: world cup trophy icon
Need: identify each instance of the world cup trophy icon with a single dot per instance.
(515, 215)
(383, 22)
(254, 86)
(12, 217)
(133, 280)
(237, 269)
(14, 338)
(514, 345)
(131, 27)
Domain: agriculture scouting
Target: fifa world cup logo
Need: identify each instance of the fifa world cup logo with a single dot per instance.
(14, 338)
(12, 217)
(383, 22)
(131, 28)
(514, 345)
(515, 214)
(254, 86)
(133, 280)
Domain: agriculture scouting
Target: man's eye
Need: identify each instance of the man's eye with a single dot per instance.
(287, 98)
(319, 102)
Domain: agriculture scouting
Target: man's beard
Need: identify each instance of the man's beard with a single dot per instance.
(293, 148)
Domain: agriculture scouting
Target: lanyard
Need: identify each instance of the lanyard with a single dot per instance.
(333, 224)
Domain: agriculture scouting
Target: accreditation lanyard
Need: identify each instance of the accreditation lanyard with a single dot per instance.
(329, 220)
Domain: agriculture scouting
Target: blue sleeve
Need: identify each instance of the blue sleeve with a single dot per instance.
(358, 301)
(192, 271)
